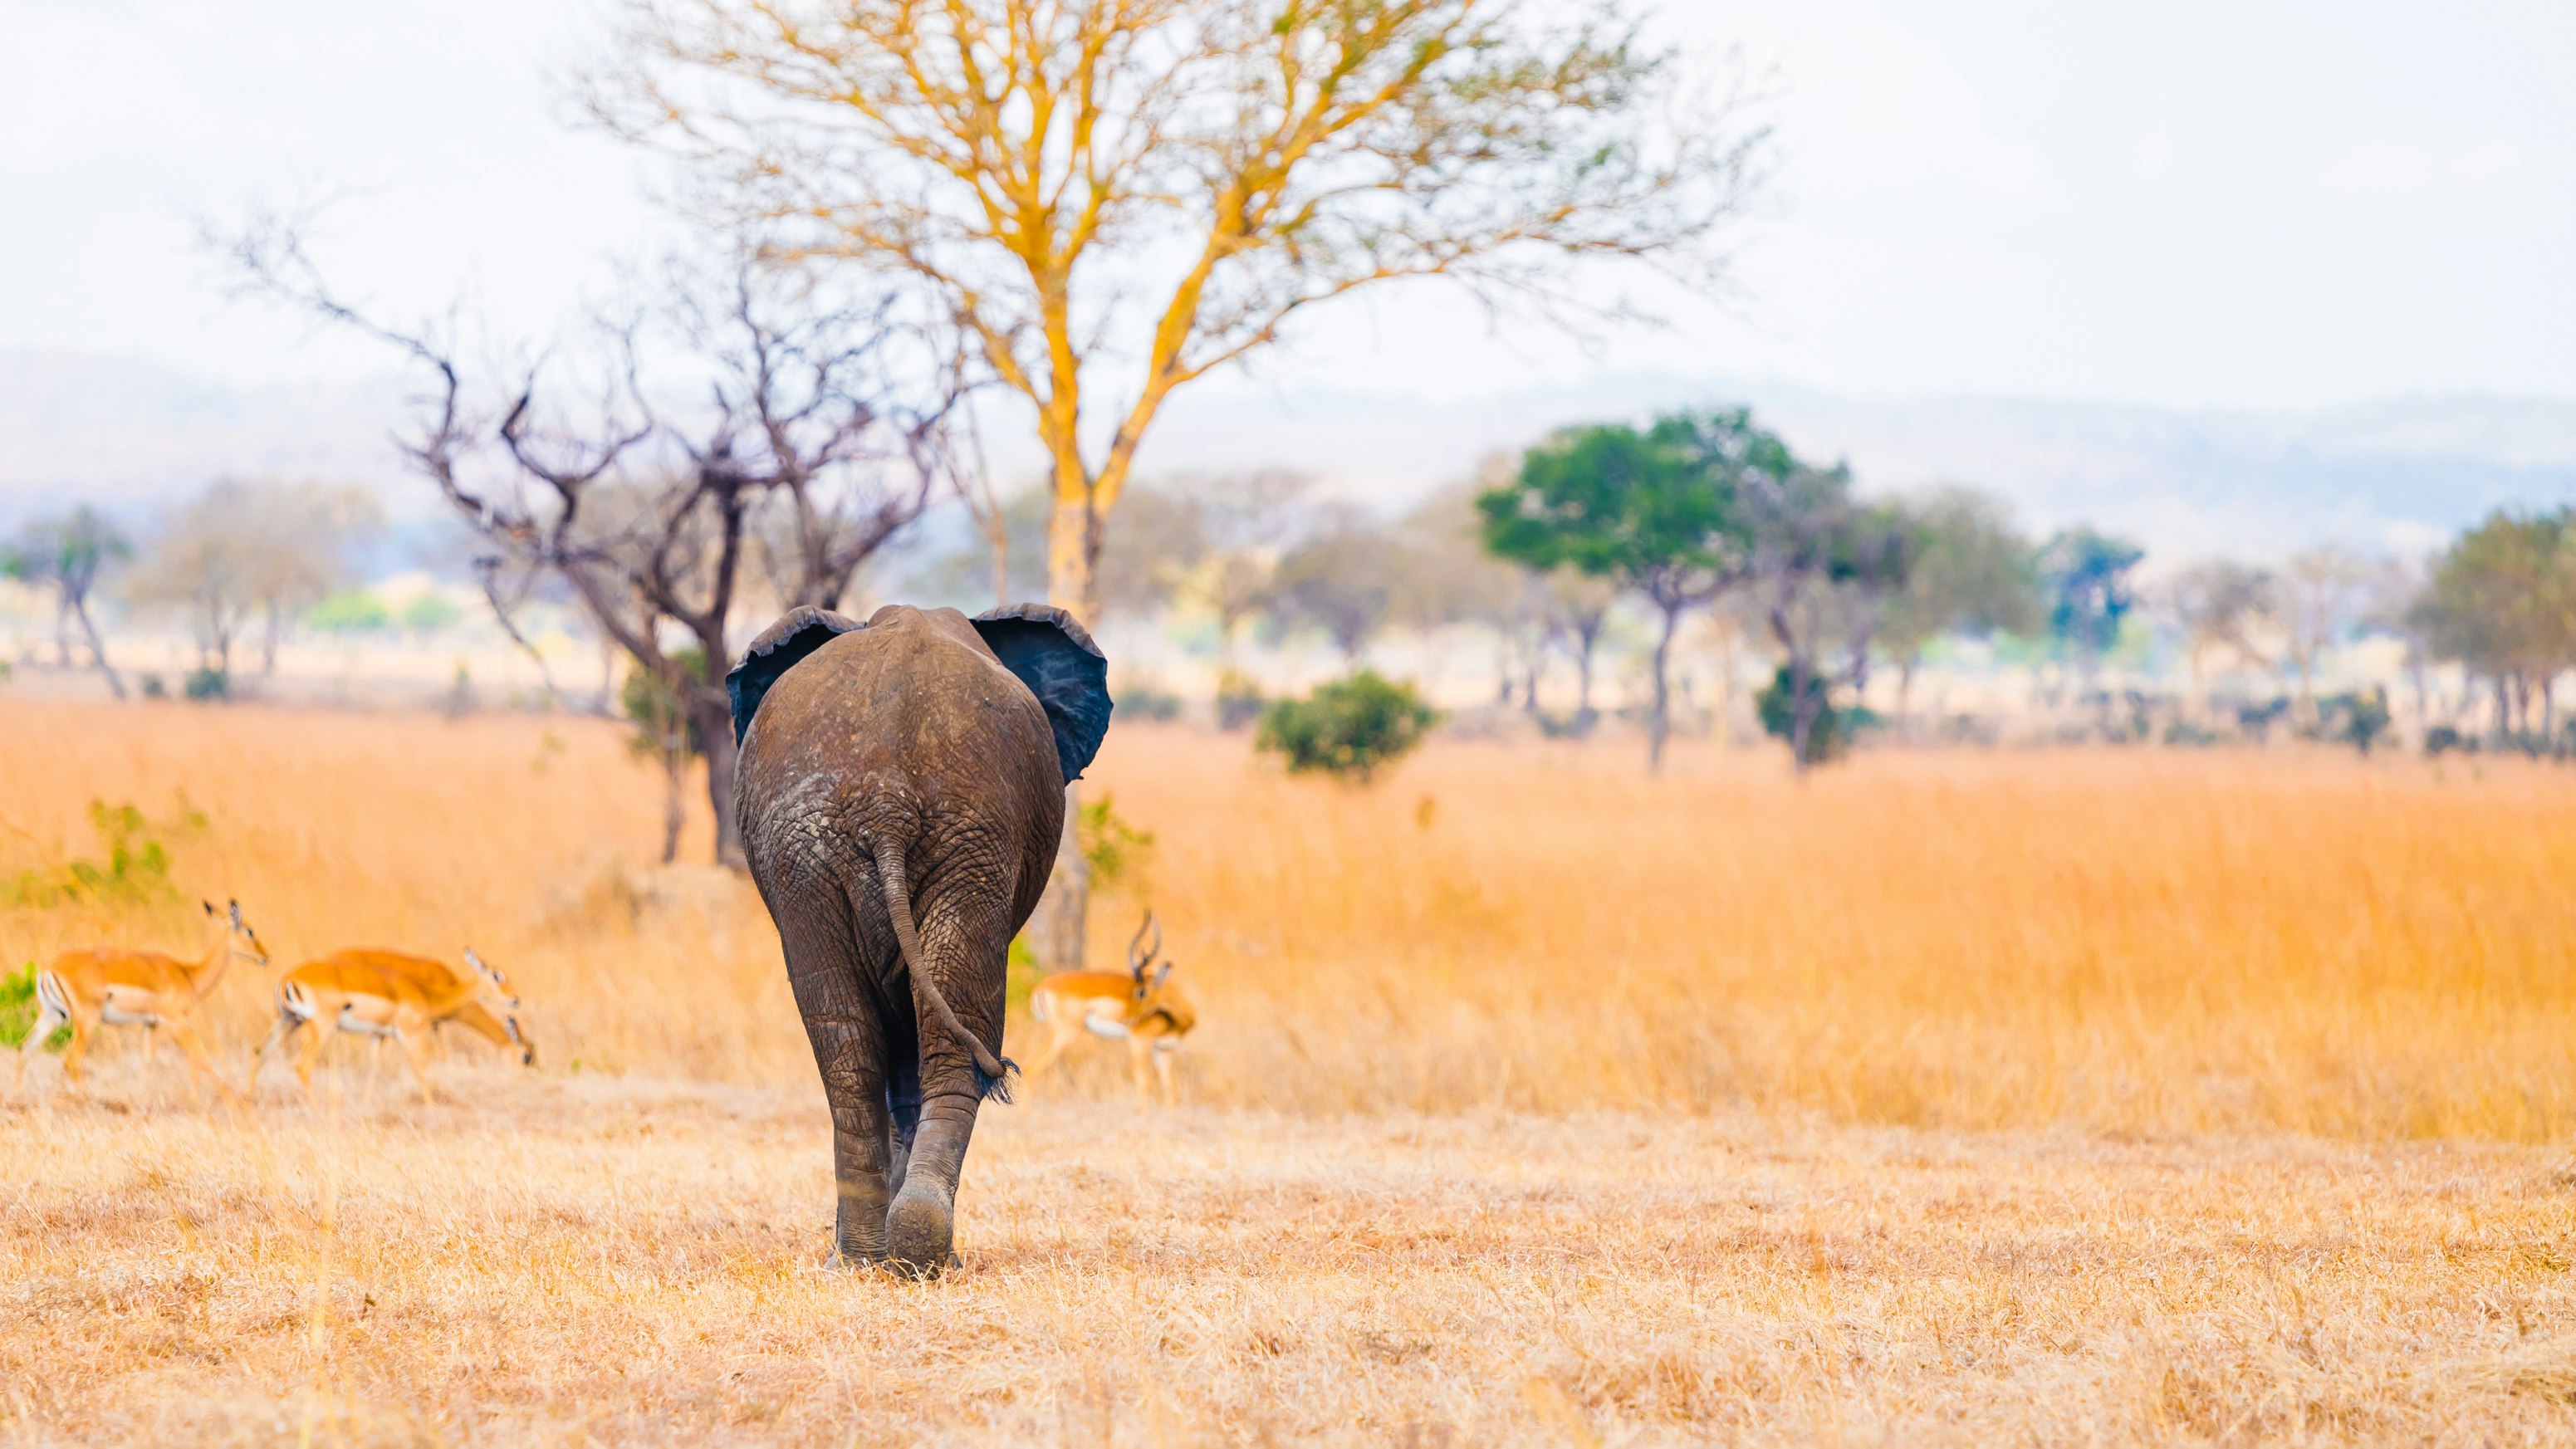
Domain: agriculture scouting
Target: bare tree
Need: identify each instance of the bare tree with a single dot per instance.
(1248, 521)
(1578, 610)
(2222, 607)
(67, 556)
(246, 550)
(1823, 566)
(1343, 583)
(2319, 595)
(801, 456)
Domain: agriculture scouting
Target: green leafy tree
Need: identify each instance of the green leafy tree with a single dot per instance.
(1972, 573)
(2089, 591)
(66, 557)
(1657, 511)
(1349, 729)
(2502, 601)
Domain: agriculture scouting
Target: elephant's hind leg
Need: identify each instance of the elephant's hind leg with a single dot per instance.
(841, 1022)
(968, 958)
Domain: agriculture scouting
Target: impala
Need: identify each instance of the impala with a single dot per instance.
(1145, 1010)
(383, 994)
(109, 986)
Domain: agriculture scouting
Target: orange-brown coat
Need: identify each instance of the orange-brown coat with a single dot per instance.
(116, 986)
(388, 993)
(1140, 1005)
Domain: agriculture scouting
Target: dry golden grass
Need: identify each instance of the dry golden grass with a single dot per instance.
(1941, 1098)
(579, 1261)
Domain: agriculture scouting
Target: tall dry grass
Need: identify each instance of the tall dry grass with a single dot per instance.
(2137, 943)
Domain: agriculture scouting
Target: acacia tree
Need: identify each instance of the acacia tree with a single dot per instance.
(66, 556)
(2502, 600)
(1659, 511)
(1971, 572)
(809, 435)
(1114, 198)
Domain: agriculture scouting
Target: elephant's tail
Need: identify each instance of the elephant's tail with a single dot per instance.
(996, 1071)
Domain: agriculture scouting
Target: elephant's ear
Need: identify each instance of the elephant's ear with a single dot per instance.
(778, 649)
(1055, 658)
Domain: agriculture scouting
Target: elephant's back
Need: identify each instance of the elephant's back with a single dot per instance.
(905, 708)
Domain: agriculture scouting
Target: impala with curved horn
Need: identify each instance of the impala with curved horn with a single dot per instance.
(110, 986)
(383, 994)
(1139, 1005)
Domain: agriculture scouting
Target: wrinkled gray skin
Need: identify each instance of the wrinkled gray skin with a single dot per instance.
(906, 734)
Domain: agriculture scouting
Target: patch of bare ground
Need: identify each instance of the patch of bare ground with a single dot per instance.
(578, 1260)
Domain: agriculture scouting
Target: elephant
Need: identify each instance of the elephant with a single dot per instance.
(901, 796)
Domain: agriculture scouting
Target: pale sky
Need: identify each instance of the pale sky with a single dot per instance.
(2193, 204)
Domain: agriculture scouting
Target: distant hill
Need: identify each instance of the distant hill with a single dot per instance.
(2397, 475)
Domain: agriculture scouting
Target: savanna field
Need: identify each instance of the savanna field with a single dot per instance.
(1943, 1098)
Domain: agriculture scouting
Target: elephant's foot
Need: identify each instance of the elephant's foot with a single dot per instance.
(918, 1230)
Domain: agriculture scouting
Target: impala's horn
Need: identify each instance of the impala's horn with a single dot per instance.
(1138, 961)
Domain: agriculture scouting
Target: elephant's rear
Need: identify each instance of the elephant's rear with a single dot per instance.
(901, 731)
(901, 795)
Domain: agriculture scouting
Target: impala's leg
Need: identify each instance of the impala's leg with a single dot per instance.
(1059, 1036)
(184, 1037)
(411, 1029)
(1164, 1050)
(842, 1024)
(277, 1035)
(1139, 1047)
(84, 1025)
(317, 1034)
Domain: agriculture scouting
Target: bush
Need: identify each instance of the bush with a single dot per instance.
(208, 684)
(2365, 719)
(1349, 729)
(153, 688)
(429, 613)
(354, 611)
(136, 870)
(18, 1010)
(2442, 739)
(1830, 736)
(1117, 851)
(1239, 702)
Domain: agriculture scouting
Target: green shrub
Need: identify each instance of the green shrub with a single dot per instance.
(1830, 736)
(1115, 849)
(352, 611)
(18, 1010)
(1349, 729)
(135, 872)
(208, 684)
(430, 612)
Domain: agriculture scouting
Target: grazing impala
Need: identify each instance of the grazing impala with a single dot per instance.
(113, 987)
(1140, 1005)
(388, 994)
